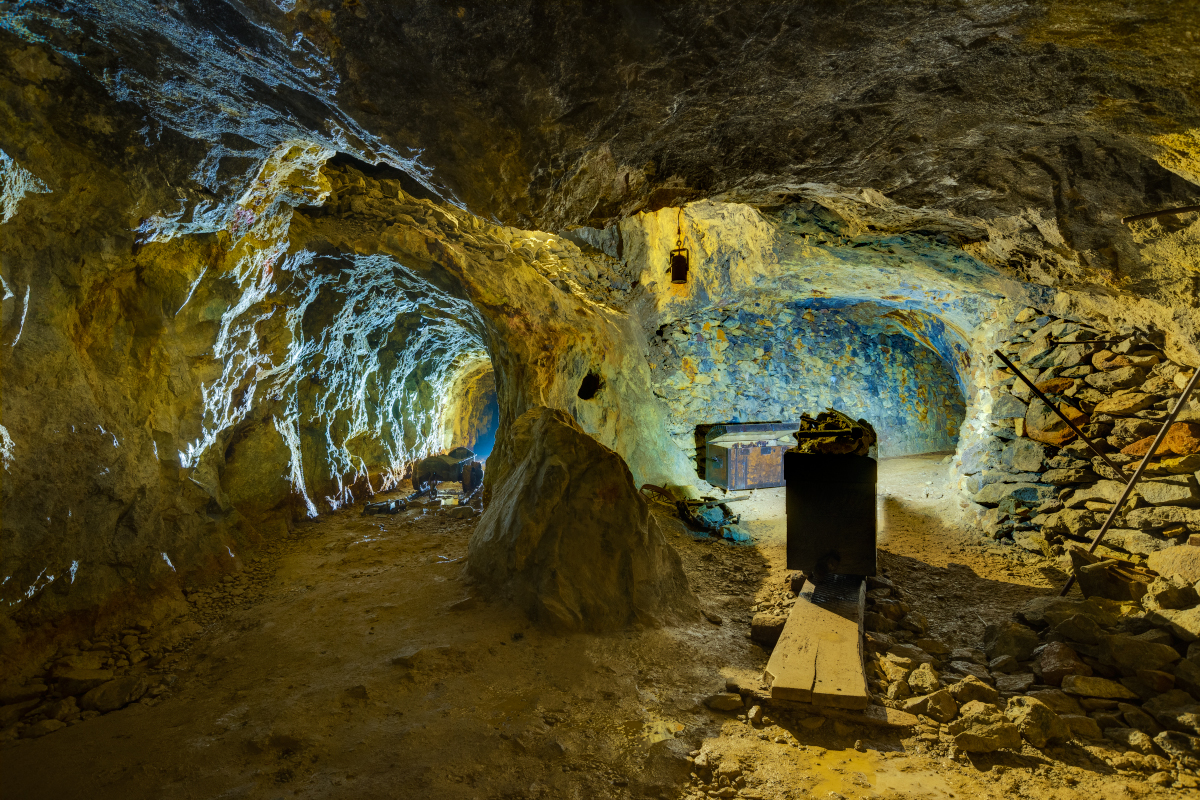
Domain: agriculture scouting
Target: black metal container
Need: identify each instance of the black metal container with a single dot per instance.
(830, 513)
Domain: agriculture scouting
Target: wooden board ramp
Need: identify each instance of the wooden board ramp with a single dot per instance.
(818, 658)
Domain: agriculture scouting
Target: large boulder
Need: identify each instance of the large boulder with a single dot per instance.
(983, 728)
(939, 706)
(1129, 654)
(1183, 622)
(1175, 710)
(1177, 490)
(766, 628)
(1057, 661)
(1102, 688)
(1008, 406)
(1024, 455)
(1187, 677)
(568, 535)
(1182, 439)
(971, 689)
(1125, 404)
(1023, 493)
(78, 681)
(1149, 519)
(987, 737)
(1120, 378)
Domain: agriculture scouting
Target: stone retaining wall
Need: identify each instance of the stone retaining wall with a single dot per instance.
(1044, 488)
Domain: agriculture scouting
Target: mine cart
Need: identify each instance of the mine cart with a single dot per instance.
(748, 455)
(830, 513)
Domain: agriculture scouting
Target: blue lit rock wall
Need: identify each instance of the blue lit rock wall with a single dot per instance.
(775, 363)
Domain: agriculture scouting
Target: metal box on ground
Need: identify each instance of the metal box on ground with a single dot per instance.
(747, 455)
(830, 513)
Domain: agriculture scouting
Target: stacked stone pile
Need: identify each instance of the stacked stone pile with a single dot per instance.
(713, 776)
(1120, 679)
(94, 678)
(1044, 488)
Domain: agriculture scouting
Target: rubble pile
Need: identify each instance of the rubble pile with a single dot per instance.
(1119, 680)
(211, 603)
(714, 776)
(136, 664)
(846, 436)
(1043, 486)
(82, 682)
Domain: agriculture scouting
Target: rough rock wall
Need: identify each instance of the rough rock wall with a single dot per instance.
(738, 365)
(155, 252)
(543, 332)
(174, 388)
(1044, 487)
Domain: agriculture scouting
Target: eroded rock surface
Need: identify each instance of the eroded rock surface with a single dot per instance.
(569, 535)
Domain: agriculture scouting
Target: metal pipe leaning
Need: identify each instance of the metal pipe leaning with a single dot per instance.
(1162, 433)
(1165, 212)
(1120, 472)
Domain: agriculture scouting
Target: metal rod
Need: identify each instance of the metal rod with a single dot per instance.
(1063, 417)
(1087, 341)
(1163, 213)
(1162, 433)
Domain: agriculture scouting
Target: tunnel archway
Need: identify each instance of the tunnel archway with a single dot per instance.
(901, 369)
(472, 414)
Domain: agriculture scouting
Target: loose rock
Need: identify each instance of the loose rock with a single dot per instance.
(1037, 723)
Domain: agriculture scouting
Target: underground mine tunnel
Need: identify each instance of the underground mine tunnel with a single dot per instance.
(611, 400)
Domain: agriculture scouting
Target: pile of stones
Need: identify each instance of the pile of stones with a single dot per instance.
(94, 678)
(211, 603)
(714, 776)
(1043, 486)
(1121, 680)
(132, 665)
(887, 611)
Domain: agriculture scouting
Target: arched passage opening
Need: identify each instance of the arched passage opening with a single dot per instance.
(901, 369)
(472, 414)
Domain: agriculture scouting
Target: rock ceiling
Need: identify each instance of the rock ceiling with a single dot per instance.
(549, 115)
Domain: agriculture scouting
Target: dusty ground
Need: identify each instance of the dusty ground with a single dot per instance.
(365, 668)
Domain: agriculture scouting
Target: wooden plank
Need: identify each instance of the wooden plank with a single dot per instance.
(791, 669)
(818, 658)
(841, 681)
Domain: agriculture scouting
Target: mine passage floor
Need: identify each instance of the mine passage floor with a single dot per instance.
(357, 670)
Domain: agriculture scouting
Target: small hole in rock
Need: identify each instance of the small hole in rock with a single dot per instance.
(589, 387)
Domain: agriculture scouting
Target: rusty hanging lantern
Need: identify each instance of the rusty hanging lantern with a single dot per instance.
(679, 256)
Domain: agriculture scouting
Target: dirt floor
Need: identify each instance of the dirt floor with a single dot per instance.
(356, 663)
